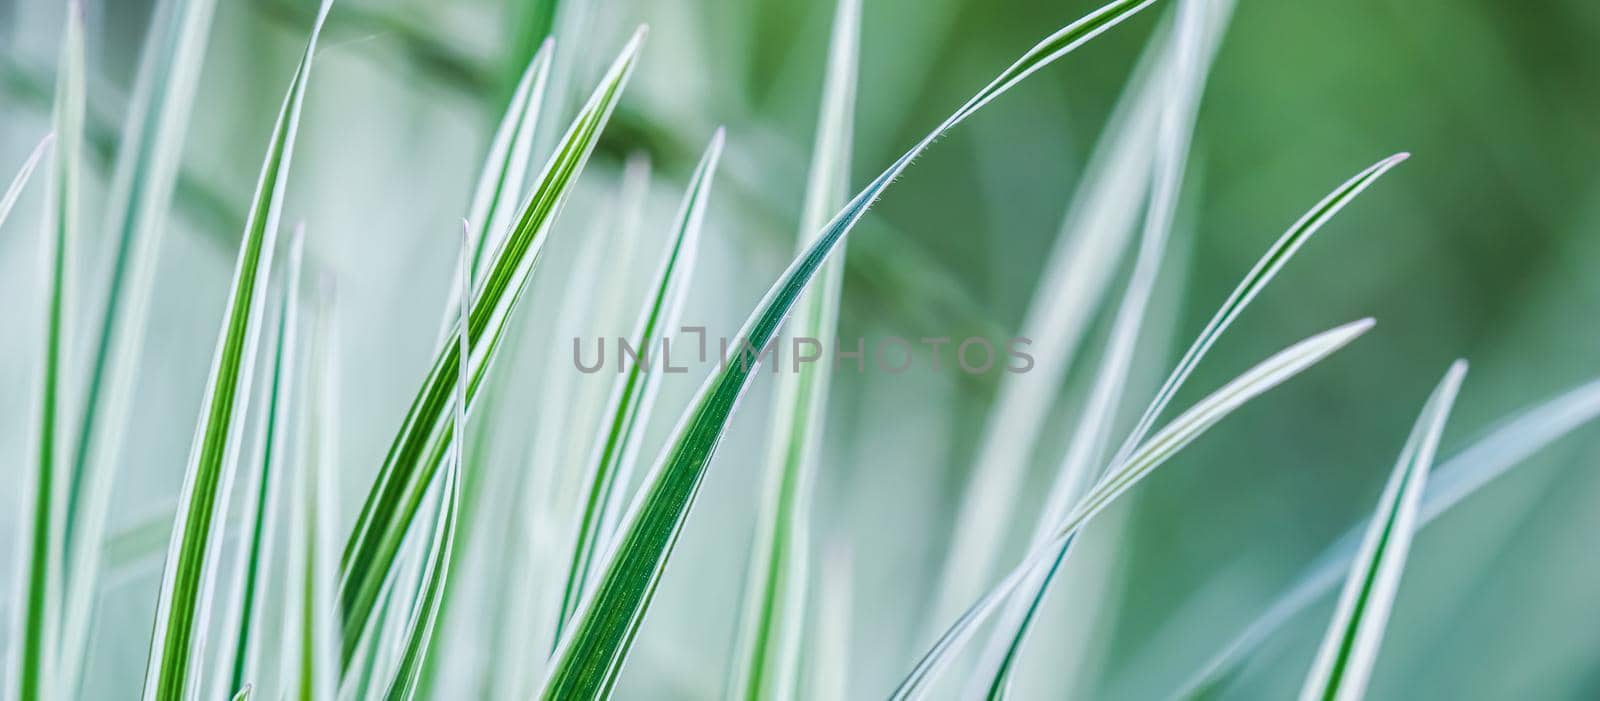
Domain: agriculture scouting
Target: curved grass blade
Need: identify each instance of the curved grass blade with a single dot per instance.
(1150, 455)
(312, 645)
(502, 182)
(13, 191)
(634, 394)
(595, 646)
(244, 693)
(435, 574)
(136, 218)
(1506, 446)
(1350, 647)
(252, 565)
(767, 659)
(425, 435)
(1184, 72)
(34, 673)
(189, 576)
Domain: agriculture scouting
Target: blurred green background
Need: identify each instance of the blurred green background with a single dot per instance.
(1485, 245)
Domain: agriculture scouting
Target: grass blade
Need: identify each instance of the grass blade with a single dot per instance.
(425, 610)
(1506, 446)
(34, 673)
(634, 395)
(1140, 463)
(1350, 648)
(1195, 35)
(592, 652)
(189, 573)
(502, 182)
(767, 660)
(424, 437)
(146, 175)
(13, 191)
(313, 642)
(252, 566)
(244, 693)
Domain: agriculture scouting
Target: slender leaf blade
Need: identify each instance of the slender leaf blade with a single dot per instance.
(189, 574)
(14, 190)
(767, 657)
(424, 436)
(1150, 455)
(1350, 648)
(591, 653)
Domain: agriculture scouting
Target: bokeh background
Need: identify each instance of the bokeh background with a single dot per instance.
(1485, 245)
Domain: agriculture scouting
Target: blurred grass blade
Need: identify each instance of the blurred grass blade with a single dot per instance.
(1258, 277)
(593, 650)
(1350, 648)
(1118, 480)
(181, 614)
(1503, 448)
(425, 437)
(312, 645)
(829, 668)
(543, 515)
(136, 219)
(767, 657)
(634, 395)
(14, 191)
(34, 672)
(1184, 72)
(501, 184)
(430, 595)
(244, 693)
(252, 564)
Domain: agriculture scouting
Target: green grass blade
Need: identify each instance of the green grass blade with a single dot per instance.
(634, 395)
(13, 191)
(136, 219)
(430, 596)
(34, 645)
(502, 182)
(767, 657)
(189, 576)
(592, 652)
(244, 693)
(1140, 463)
(252, 570)
(312, 645)
(1350, 649)
(1265, 269)
(424, 437)
(1506, 446)
(1184, 71)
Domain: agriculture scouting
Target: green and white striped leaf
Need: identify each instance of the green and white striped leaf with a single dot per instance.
(1507, 445)
(424, 437)
(252, 571)
(627, 413)
(1350, 648)
(435, 574)
(772, 623)
(596, 644)
(1140, 463)
(189, 575)
(136, 220)
(311, 649)
(36, 635)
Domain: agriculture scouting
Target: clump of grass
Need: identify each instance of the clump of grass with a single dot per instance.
(368, 621)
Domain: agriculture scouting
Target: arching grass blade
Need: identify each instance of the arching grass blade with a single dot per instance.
(14, 190)
(1140, 463)
(597, 643)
